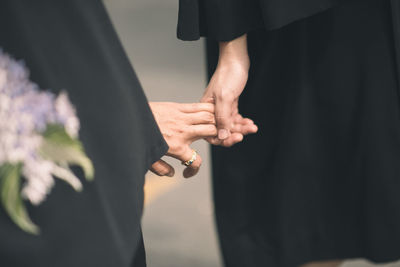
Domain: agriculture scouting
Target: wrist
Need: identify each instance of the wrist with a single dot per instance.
(234, 54)
(238, 67)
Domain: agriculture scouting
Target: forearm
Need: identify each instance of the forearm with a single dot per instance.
(234, 53)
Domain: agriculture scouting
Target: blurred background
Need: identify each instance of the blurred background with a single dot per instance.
(178, 223)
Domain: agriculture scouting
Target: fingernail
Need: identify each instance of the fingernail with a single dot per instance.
(223, 134)
(171, 173)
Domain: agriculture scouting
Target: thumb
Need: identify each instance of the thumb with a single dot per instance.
(223, 117)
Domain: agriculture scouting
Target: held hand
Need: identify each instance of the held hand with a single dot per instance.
(181, 125)
(224, 89)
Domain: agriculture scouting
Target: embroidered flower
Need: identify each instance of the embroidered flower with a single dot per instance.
(38, 141)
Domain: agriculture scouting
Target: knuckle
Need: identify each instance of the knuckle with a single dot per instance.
(191, 130)
(181, 129)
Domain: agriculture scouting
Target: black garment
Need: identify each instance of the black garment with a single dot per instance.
(224, 20)
(320, 180)
(72, 45)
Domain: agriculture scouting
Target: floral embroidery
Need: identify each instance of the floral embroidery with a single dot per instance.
(38, 141)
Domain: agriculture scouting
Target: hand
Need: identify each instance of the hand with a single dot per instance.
(181, 125)
(224, 89)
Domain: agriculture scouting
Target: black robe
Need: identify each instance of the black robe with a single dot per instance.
(71, 45)
(321, 178)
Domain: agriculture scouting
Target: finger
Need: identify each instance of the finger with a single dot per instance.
(194, 168)
(244, 121)
(202, 117)
(238, 119)
(210, 100)
(232, 140)
(244, 125)
(223, 115)
(196, 107)
(184, 155)
(214, 141)
(161, 168)
(245, 129)
(201, 131)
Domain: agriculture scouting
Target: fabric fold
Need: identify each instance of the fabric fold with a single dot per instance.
(225, 20)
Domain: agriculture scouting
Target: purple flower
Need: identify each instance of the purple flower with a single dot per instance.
(25, 113)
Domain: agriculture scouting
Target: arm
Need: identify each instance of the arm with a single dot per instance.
(225, 87)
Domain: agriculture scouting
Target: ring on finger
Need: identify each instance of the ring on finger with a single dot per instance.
(190, 161)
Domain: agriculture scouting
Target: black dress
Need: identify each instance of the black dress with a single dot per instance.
(72, 45)
(321, 178)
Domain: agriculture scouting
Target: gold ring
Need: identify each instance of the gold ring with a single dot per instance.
(190, 162)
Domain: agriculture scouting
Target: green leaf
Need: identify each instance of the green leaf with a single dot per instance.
(10, 193)
(64, 173)
(59, 147)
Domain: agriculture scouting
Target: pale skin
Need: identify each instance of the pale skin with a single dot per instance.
(216, 119)
(183, 124)
(225, 87)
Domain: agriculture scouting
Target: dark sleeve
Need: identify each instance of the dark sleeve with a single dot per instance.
(225, 20)
(71, 45)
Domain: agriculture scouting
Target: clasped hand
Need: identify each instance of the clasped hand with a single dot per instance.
(183, 124)
(216, 119)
